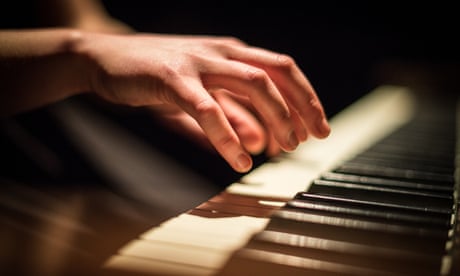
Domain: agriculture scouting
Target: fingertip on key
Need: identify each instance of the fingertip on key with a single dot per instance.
(292, 141)
(324, 128)
(243, 163)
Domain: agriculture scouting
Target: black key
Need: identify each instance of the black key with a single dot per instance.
(396, 173)
(402, 164)
(359, 231)
(384, 182)
(383, 196)
(408, 158)
(250, 262)
(379, 213)
(429, 195)
(366, 256)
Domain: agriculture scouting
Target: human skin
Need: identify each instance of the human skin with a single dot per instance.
(242, 99)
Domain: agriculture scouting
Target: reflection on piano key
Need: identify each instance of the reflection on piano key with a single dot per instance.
(353, 178)
(271, 263)
(369, 209)
(396, 173)
(305, 243)
(385, 196)
(359, 231)
(202, 244)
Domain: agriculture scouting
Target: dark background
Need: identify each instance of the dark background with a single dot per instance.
(344, 47)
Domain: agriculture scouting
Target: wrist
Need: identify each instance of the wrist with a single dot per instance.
(40, 67)
(72, 46)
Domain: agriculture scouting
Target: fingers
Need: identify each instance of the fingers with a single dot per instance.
(248, 128)
(207, 112)
(273, 148)
(292, 84)
(255, 84)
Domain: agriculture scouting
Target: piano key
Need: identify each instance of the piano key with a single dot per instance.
(247, 200)
(388, 260)
(428, 195)
(408, 158)
(415, 150)
(233, 204)
(175, 254)
(408, 139)
(384, 197)
(343, 247)
(368, 224)
(340, 246)
(395, 173)
(330, 205)
(265, 181)
(259, 262)
(200, 244)
(255, 211)
(122, 265)
(384, 182)
(402, 164)
(194, 238)
(232, 226)
(437, 149)
(308, 216)
(329, 217)
(390, 106)
(359, 231)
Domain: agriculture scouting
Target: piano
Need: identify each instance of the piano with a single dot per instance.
(377, 197)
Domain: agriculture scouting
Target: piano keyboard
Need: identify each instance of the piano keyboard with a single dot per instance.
(377, 197)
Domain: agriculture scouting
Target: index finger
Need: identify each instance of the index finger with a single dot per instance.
(197, 102)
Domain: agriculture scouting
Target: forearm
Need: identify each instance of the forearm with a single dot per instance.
(39, 67)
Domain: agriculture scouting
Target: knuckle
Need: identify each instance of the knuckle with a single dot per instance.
(285, 61)
(171, 73)
(316, 106)
(206, 109)
(224, 141)
(257, 76)
(313, 111)
(315, 103)
(229, 41)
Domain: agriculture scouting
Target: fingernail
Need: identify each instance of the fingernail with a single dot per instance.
(243, 162)
(324, 128)
(293, 142)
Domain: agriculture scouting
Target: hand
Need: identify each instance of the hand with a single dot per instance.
(250, 130)
(218, 82)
